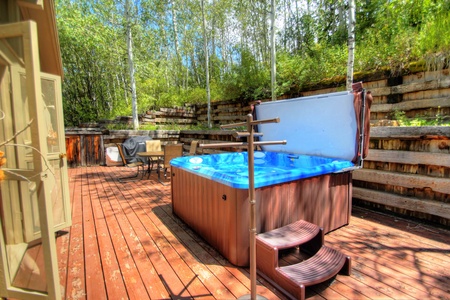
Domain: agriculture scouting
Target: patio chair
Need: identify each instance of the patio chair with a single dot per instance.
(170, 152)
(152, 146)
(127, 162)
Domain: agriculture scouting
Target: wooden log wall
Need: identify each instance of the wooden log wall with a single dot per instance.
(407, 171)
(223, 112)
(185, 115)
(425, 95)
(180, 115)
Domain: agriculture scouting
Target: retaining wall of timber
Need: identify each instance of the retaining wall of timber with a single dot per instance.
(407, 171)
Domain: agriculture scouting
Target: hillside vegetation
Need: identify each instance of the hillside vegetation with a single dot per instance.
(169, 54)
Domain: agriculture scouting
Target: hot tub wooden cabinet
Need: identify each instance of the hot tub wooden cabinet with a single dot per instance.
(220, 213)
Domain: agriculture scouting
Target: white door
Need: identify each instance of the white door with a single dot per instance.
(34, 199)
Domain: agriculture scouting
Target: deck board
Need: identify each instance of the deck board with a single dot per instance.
(75, 282)
(398, 267)
(125, 243)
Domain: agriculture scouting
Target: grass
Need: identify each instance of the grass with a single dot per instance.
(437, 119)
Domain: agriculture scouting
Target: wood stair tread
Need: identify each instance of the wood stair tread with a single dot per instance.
(325, 264)
(290, 235)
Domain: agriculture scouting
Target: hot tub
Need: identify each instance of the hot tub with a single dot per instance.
(271, 168)
(309, 178)
(210, 194)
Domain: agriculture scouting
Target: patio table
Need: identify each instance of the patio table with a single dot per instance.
(150, 155)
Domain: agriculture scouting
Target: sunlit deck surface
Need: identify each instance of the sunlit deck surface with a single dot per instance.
(125, 243)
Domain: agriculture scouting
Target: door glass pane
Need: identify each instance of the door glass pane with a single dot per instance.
(24, 148)
(49, 98)
(58, 206)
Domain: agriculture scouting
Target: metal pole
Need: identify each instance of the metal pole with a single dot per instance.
(251, 196)
(250, 134)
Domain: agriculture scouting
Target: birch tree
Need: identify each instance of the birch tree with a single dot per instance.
(273, 52)
(205, 47)
(174, 8)
(351, 43)
(134, 107)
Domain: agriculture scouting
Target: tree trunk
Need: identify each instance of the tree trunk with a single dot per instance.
(351, 43)
(273, 52)
(179, 74)
(134, 107)
(205, 46)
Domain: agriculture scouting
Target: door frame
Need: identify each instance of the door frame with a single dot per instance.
(27, 31)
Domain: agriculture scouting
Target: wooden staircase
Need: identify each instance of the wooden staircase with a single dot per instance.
(323, 263)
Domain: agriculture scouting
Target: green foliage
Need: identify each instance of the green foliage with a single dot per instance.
(423, 120)
(328, 61)
(248, 80)
(197, 95)
(292, 69)
(434, 41)
(405, 32)
(169, 57)
(376, 51)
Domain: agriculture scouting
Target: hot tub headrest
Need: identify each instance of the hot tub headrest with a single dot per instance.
(321, 125)
(362, 103)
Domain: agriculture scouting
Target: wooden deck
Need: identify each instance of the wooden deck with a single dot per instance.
(125, 243)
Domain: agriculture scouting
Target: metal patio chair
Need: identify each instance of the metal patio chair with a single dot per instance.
(127, 162)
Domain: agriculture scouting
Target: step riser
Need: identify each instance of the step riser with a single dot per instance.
(323, 264)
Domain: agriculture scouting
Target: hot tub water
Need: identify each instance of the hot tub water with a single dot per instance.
(270, 168)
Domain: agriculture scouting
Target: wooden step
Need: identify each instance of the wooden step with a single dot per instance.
(295, 234)
(325, 264)
(308, 236)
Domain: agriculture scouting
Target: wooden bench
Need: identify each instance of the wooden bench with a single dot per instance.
(323, 264)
